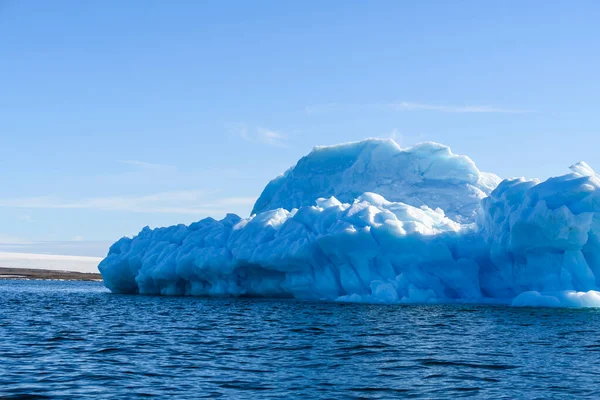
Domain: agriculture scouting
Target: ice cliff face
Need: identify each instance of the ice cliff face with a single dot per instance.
(426, 174)
(369, 221)
(545, 237)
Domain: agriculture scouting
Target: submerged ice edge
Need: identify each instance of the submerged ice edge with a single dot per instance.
(527, 243)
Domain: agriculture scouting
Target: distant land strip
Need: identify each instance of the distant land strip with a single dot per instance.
(30, 273)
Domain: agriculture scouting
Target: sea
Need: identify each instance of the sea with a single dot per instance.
(61, 339)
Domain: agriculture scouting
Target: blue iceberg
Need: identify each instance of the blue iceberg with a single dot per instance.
(372, 222)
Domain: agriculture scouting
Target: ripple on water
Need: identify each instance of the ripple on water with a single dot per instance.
(74, 339)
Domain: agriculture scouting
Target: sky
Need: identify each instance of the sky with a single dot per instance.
(115, 115)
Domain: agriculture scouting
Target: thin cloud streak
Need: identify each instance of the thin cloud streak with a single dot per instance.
(270, 137)
(409, 106)
(405, 106)
(146, 165)
(260, 135)
(176, 202)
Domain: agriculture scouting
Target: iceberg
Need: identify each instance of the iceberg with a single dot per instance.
(372, 222)
(428, 174)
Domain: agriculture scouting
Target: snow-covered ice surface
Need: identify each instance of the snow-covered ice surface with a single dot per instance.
(50, 262)
(371, 222)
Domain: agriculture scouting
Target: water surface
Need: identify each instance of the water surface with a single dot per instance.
(74, 339)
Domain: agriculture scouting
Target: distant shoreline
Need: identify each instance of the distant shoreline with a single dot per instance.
(45, 274)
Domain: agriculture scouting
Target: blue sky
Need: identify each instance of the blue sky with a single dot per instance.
(115, 115)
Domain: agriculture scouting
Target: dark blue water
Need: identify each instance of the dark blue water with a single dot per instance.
(74, 339)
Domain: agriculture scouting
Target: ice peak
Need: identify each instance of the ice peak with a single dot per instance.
(582, 168)
(427, 173)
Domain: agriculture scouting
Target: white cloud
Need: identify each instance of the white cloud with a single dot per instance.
(270, 137)
(411, 106)
(69, 247)
(404, 140)
(138, 173)
(261, 135)
(175, 202)
(10, 239)
(25, 218)
(237, 201)
(146, 165)
(395, 135)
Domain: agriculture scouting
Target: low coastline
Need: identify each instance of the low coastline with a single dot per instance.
(45, 274)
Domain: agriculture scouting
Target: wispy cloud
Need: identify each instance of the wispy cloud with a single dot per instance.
(77, 246)
(138, 173)
(4, 239)
(270, 137)
(146, 165)
(395, 134)
(261, 135)
(175, 202)
(411, 106)
(404, 140)
(25, 218)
